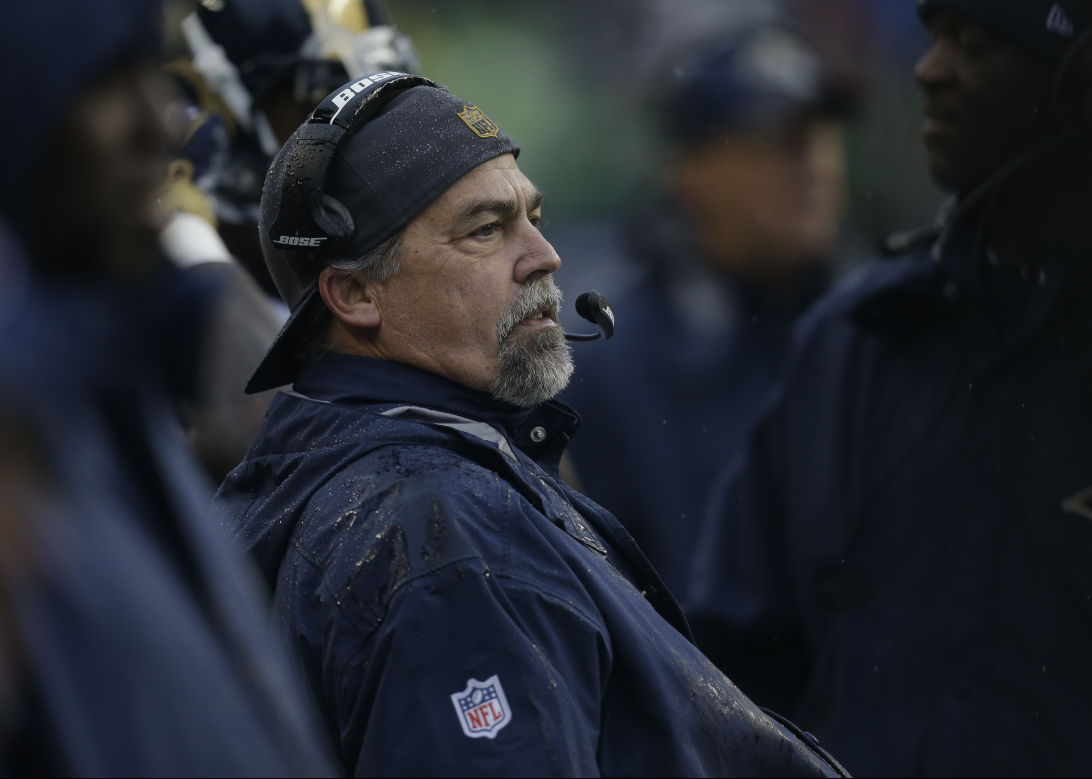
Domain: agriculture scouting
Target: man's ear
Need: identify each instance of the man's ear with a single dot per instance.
(349, 297)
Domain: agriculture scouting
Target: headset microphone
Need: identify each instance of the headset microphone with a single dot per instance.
(595, 308)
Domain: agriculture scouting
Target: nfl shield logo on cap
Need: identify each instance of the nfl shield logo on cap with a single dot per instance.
(482, 125)
(482, 708)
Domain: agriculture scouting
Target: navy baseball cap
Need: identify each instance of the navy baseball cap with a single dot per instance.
(1043, 29)
(747, 79)
(373, 155)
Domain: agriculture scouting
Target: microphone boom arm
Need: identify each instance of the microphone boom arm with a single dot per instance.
(595, 308)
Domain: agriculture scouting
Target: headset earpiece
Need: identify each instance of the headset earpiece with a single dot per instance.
(334, 218)
(309, 221)
(301, 214)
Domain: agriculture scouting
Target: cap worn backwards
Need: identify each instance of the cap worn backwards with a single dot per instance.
(373, 155)
(1044, 29)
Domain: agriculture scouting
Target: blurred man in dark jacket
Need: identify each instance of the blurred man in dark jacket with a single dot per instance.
(741, 235)
(132, 635)
(906, 535)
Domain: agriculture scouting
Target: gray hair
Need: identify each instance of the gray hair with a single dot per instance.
(379, 264)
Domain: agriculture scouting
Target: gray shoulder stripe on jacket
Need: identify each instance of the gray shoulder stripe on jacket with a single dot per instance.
(480, 430)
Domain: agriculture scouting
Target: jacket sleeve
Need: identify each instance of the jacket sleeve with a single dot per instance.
(471, 676)
(740, 600)
(459, 666)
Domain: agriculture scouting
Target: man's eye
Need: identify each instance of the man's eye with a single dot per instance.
(486, 231)
(537, 221)
(976, 40)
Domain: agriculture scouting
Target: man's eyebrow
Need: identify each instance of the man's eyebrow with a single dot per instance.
(506, 207)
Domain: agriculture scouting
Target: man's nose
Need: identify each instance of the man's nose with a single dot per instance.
(537, 255)
(936, 65)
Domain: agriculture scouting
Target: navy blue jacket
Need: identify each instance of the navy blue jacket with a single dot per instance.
(461, 611)
(905, 536)
(134, 637)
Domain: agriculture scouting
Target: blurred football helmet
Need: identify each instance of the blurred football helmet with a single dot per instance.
(253, 72)
(243, 49)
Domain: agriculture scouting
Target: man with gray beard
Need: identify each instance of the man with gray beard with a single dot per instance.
(457, 608)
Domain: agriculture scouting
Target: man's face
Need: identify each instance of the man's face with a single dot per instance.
(766, 205)
(984, 101)
(96, 200)
(474, 300)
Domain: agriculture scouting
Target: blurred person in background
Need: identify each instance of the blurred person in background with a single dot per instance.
(908, 531)
(741, 234)
(133, 640)
(248, 72)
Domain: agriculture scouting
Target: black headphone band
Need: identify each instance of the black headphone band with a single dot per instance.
(367, 96)
(306, 215)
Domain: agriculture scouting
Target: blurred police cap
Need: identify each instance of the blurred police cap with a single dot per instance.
(746, 78)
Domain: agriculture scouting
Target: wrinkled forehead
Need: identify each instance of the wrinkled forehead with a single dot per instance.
(496, 188)
(939, 20)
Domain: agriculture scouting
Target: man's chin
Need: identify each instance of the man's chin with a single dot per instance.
(950, 172)
(535, 365)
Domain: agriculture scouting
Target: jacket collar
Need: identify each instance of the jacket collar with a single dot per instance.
(953, 265)
(542, 431)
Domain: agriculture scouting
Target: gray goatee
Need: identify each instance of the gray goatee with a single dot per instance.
(535, 365)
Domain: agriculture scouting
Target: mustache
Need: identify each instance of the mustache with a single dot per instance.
(541, 297)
